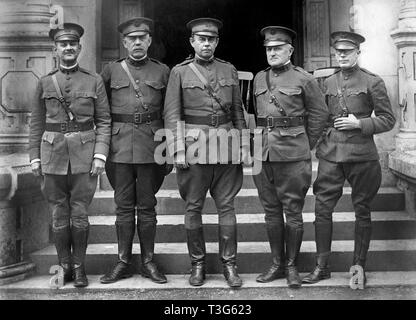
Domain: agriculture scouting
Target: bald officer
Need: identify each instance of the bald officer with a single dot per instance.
(136, 89)
(204, 93)
(69, 139)
(292, 113)
(348, 152)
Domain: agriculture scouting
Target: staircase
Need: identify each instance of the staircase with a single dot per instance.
(392, 249)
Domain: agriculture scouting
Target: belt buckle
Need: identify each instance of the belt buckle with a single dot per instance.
(137, 118)
(285, 123)
(269, 122)
(76, 127)
(64, 127)
(215, 120)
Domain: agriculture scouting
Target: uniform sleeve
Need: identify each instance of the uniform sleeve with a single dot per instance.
(102, 120)
(37, 123)
(172, 113)
(106, 76)
(237, 104)
(165, 79)
(317, 111)
(384, 119)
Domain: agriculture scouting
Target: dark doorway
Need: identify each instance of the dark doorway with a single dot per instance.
(240, 40)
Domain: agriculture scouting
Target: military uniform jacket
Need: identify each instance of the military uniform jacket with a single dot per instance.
(364, 93)
(186, 95)
(88, 102)
(134, 143)
(298, 94)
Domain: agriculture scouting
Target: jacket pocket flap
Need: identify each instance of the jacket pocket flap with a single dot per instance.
(118, 84)
(155, 84)
(192, 134)
(87, 136)
(85, 94)
(49, 95)
(192, 84)
(290, 91)
(48, 137)
(356, 91)
(291, 131)
(226, 82)
(260, 91)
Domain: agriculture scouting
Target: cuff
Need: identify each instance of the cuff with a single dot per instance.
(34, 160)
(367, 126)
(100, 156)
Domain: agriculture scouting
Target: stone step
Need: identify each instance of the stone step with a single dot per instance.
(253, 257)
(251, 227)
(247, 201)
(384, 285)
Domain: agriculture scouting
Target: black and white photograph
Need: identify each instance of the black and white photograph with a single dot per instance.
(207, 156)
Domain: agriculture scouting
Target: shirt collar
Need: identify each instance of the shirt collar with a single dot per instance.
(283, 68)
(137, 62)
(70, 69)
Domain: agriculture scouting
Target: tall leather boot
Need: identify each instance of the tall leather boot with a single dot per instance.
(79, 246)
(63, 248)
(197, 253)
(125, 234)
(228, 254)
(362, 238)
(276, 235)
(323, 239)
(147, 232)
(293, 243)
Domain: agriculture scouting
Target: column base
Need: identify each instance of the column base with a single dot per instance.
(16, 272)
(406, 141)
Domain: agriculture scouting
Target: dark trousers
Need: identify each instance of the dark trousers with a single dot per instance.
(223, 181)
(135, 185)
(364, 178)
(69, 197)
(282, 187)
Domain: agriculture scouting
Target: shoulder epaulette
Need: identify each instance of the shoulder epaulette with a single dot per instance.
(301, 70)
(220, 60)
(267, 69)
(368, 72)
(187, 61)
(156, 61)
(52, 72)
(86, 71)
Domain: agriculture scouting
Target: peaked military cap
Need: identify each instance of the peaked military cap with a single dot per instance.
(277, 35)
(205, 26)
(139, 25)
(70, 31)
(345, 40)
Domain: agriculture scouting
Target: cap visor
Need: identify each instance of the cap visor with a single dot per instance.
(345, 46)
(206, 33)
(137, 33)
(67, 38)
(274, 43)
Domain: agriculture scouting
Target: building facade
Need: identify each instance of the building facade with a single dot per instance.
(26, 54)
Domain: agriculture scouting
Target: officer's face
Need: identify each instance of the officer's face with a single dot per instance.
(67, 51)
(137, 45)
(278, 55)
(347, 58)
(204, 46)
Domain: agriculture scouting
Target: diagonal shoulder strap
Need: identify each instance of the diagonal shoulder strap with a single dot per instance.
(342, 101)
(62, 99)
(211, 91)
(133, 83)
(276, 102)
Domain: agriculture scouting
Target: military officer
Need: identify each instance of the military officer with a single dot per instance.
(136, 89)
(292, 112)
(67, 150)
(203, 91)
(348, 151)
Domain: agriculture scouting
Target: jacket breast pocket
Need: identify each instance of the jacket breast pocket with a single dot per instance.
(46, 147)
(155, 92)
(120, 90)
(291, 99)
(52, 104)
(84, 103)
(226, 87)
(357, 100)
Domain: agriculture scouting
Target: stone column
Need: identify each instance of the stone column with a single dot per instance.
(405, 39)
(25, 55)
(403, 160)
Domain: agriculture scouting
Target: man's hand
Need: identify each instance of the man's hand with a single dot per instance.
(36, 168)
(180, 160)
(245, 155)
(347, 123)
(97, 167)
